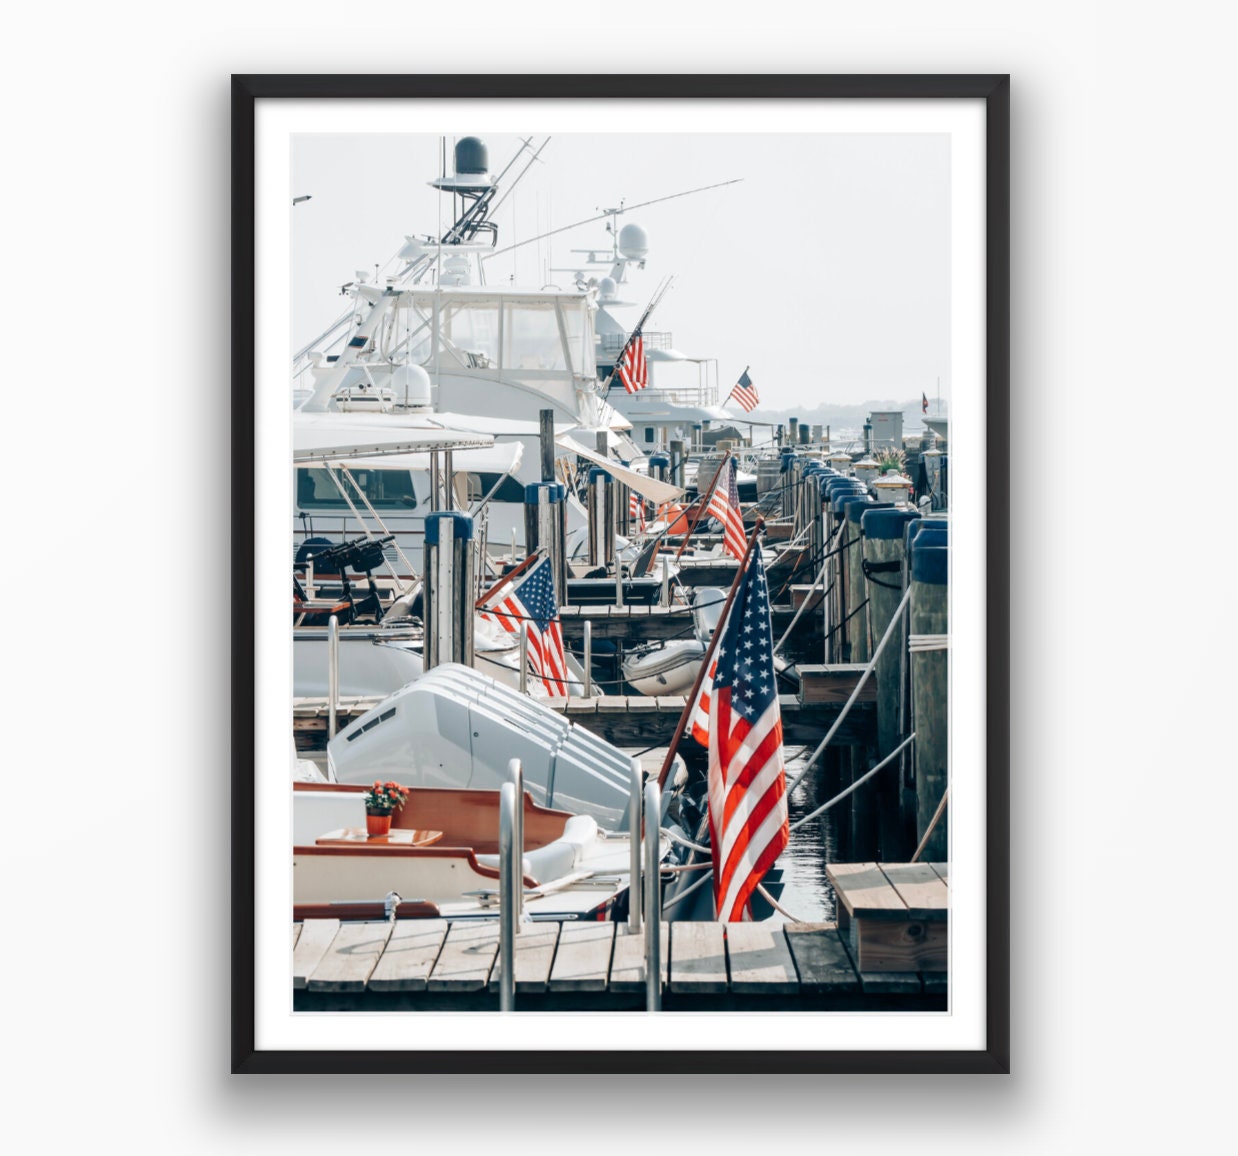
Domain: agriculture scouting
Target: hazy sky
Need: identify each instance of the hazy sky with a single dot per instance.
(827, 268)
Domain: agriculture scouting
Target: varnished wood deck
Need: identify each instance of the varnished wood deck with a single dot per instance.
(419, 964)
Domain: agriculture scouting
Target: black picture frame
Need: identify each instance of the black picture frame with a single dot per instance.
(994, 91)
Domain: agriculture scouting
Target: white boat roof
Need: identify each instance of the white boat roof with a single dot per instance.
(324, 437)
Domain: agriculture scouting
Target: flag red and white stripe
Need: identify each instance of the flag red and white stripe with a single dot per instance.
(748, 823)
(636, 511)
(531, 601)
(633, 369)
(744, 392)
(724, 505)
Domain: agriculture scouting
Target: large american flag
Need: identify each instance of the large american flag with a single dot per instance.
(744, 392)
(633, 370)
(724, 505)
(531, 599)
(747, 784)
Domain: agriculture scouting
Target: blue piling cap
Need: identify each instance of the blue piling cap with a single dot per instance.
(915, 529)
(929, 539)
(855, 510)
(531, 491)
(596, 473)
(659, 459)
(930, 565)
(843, 501)
(882, 523)
(837, 497)
(461, 529)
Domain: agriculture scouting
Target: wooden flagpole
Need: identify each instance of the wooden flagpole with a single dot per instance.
(507, 578)
(709, 653)
(703, 503)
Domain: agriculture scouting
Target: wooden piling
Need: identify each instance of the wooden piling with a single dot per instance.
(883, 558)
(546, 437)
(929, 690)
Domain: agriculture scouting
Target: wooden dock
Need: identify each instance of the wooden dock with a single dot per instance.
(433, 965)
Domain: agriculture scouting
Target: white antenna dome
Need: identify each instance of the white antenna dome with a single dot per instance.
(607, 289)
(411, 386)
(633, 243)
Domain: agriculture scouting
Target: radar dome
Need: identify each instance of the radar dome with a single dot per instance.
(411, 386)
(633, 242)
(607, 289)
(471, 155)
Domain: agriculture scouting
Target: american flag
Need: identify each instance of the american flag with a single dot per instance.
(745, 393)
(531, 600)
(633, 370)
(747, 784)
(724, 505)
(636, 511)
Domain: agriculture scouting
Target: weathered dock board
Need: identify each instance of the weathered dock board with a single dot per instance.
(428, 964)
(894, 916)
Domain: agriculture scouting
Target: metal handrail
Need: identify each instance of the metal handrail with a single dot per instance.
(509, 880)
(653, 902)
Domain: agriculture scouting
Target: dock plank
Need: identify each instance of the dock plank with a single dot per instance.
(351, 958)
(535, 953)
(883, 982)
(410, 955)
(920, 888)
(759, 959)
(863, 889)
(943, 870)
(466, 958)
(582, 961)
(315, 939)
(627, 965)
(821, 960)
(698, 958)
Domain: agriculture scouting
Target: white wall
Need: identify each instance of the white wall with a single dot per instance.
(114, 971)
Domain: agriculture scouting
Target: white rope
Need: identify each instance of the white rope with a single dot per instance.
(858, 783)
(684, 842)
(776, 905)
(803, 606)
(922, 643)
(868, 670)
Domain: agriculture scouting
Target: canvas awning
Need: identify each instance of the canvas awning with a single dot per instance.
(656, 491)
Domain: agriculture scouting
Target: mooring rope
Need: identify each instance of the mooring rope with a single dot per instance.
(847, 791)
(868, 670)
(921, 643)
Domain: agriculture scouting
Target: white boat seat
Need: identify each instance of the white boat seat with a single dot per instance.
(558, 858)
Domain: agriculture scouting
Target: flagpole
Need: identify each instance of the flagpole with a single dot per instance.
(701, 507)
(507, 578)
(709, 653)
(654, 301)
(735, 386)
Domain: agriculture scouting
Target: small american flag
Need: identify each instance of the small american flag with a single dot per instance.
(745, 393)
(747, 783)
(636, 511)
(633, 370)
(724, 505)
(531, 599)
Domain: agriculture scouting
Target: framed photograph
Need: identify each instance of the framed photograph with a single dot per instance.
(645, 445)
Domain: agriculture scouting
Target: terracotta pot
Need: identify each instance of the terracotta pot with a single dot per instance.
(377, 823)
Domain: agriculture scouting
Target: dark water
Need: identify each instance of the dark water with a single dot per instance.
(807, 894)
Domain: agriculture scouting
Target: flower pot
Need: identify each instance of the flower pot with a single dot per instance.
(377, 823)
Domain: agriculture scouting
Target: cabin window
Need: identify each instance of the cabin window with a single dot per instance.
(649, 433)
(510, 490)
(470, 332)
(531, 337)
(579, 339)
(389, 488)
